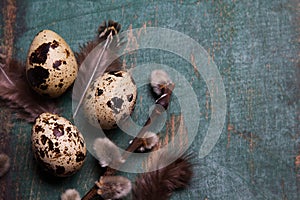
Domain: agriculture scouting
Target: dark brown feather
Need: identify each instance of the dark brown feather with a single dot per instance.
(18, 95)
(160, 184)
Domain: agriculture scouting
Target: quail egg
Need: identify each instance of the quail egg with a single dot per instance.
(51, 66)
(110, 99)
(57, 145)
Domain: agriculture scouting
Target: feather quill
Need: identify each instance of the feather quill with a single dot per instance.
(18, 95)
(95, 58)
(161, 183)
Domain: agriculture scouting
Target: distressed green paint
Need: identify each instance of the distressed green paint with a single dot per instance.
(255, 45)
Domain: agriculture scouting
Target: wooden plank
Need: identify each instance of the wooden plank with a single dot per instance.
(255, 45)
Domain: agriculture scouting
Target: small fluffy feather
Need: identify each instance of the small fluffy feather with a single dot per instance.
(107, 152)
(160, 184)
(70, 194)
(159, 80)
(18, 94)
(4, 164)
(113, 187)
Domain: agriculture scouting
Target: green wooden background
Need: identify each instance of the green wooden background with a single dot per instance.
(254, 43)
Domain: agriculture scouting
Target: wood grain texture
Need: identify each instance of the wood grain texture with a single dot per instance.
(255, 45)
(9, 18)
(5, 147)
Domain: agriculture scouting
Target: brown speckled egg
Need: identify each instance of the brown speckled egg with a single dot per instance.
(110, 99)
(51, 66)
(57, 145)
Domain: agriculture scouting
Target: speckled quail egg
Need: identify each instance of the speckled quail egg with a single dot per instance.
(110, 99)
(57, 145)
(51, 66)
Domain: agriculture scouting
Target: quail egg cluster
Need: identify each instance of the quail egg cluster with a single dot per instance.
(58, 145)
(110, 99)
(51, 66)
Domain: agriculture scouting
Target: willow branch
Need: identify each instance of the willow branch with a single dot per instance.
(163, 101)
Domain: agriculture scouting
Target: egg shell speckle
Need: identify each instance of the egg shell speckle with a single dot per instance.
(58, 145)
(51, 66)
(110, 99)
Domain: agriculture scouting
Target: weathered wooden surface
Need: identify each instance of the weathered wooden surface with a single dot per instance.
(255, 45)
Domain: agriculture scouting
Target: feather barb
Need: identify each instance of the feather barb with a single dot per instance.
(101, 53)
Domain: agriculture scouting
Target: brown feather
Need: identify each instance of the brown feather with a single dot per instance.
(160, 184)
(95, 58)
(103, 31)
(18, 95)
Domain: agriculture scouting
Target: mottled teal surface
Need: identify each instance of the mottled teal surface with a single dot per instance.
(255, 45)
